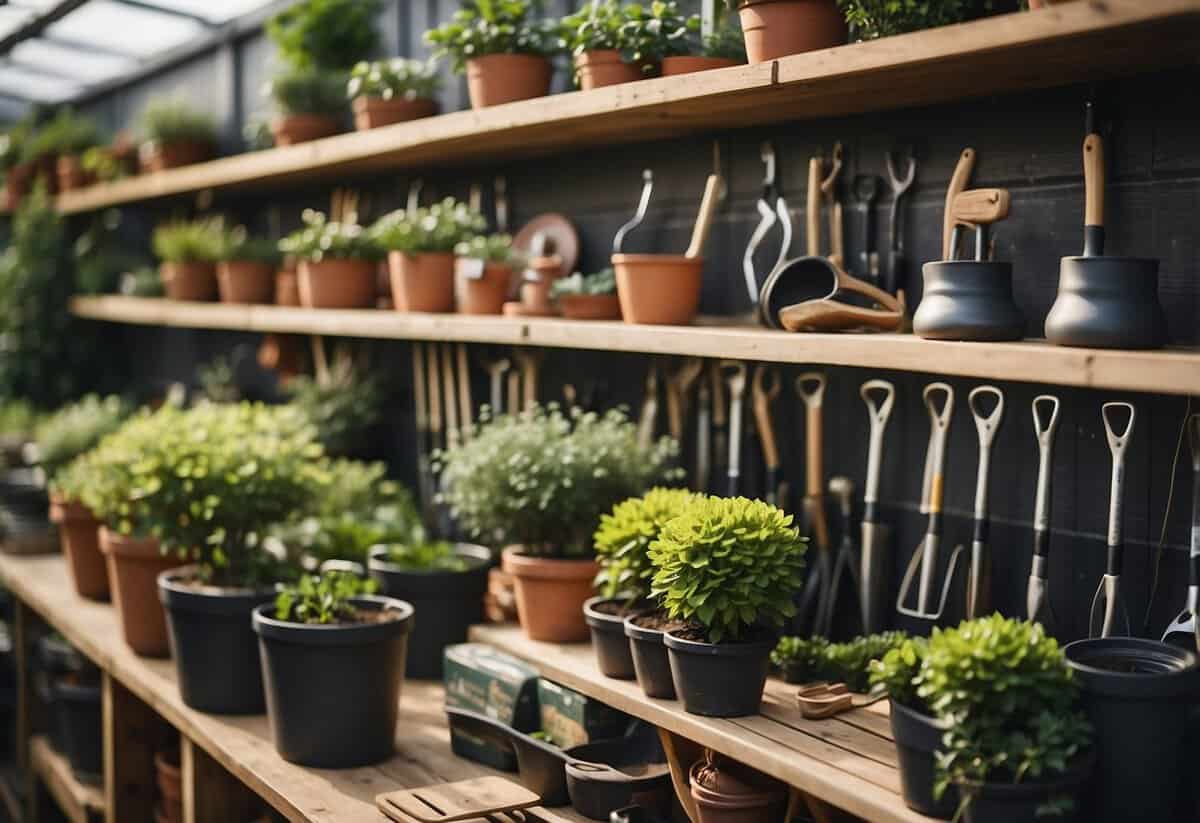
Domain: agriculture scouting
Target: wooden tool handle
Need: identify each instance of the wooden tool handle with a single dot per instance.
(449, 390)
(433, 371)
(812, 208)
(981, 206)
(1093, 180)
(833, 315)
(958, 182)
(813, 438)
(465, 406)
(837, 243)
(712, 192)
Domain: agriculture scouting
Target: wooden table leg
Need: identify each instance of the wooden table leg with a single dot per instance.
(132, 734)
(681, 754)
(210, 793)
(22, 642)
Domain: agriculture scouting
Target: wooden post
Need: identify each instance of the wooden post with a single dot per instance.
(132, 733)
(210, 793)
(681, 754)
(26, 698)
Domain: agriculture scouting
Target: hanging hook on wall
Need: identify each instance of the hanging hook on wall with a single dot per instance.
(414, 196)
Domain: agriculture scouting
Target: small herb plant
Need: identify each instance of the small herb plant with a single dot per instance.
(438, 228)
(653, 32)
(871, 19)
(189, 241)
(601, 282)
(483, 27)
(623, 540)
(726, 42)
(309, 91)
(805, 659)
(102, 162)
(322, 599)
(320, 239)
(76, 428)
(544, 478)
(593, 28)
(491, 248)
(899, 673)
(325, 34)
(432, 556)
(238, 244)
(395, 79)
(728, 566)
(165, 121)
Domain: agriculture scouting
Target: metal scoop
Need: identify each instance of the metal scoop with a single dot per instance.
(1107, 604)
(1185, 629)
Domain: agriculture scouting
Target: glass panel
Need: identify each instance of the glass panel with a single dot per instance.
(213, 12)
(34, 86)
(126, 28)
(58, 59)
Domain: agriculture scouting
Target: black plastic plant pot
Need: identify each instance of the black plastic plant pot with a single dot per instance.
(78, 706)
(613, 654)
(918, 737)
(651, 663)
(333, 691)
(1139, 696)
(1013, 802)
(448, 603)
(215, 650)
(720, 679)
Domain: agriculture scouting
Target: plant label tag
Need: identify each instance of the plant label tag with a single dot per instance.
(470, 267)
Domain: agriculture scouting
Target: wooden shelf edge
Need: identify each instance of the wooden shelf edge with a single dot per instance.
(75, 798)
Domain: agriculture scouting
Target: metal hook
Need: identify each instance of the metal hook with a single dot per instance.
(500, 190)
(414, 196)
(639, 215)
(767, 152)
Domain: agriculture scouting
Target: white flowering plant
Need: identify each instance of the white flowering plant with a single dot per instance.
(438, 228)
(322, 239)
(396, 79)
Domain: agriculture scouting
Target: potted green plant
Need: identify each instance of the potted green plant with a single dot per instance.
(722, 48)
(386, 92)
(17, 175)
(111, 162)
(537, 483)
(484, 273)
(601, 39)
(728, 569)
(621, 543)
(587, 296)
(62, 141)
(333, 666)
(337, 263)
(332, 34)
(175, 135)
(188, 251)
(501, 46)
(809, 659)
(420, 251)
(246, 267)
(344, 404)
(777, 28)
(872, 19)
(311, 104)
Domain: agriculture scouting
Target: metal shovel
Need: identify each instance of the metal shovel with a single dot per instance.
(979, 580)
(848, 557)
(1185, 629)
(1107, 604)
(814, 602)
(876, 536)
(1037, 603)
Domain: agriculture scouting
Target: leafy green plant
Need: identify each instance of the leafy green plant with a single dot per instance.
(325, 34)
(189, 241)
(491, 248)
(395, 79)
(239, 244)
(12, 144)
(483, 27)
(18, 420)
(800, 659)
(544, 478)
(309, 91)
(66, 133)
(143, 281)
(320, 239)
(601, 282)
(899, 673)
(728, 565)
(438, 228)
(653, 32)
(622, 541)
(103, 163)
(343, 408)
(165, 121)
(322, 599)
(101, 255)
(871, 19)
(726, 42)
(76, 428)
(432, 556)
(805, 659)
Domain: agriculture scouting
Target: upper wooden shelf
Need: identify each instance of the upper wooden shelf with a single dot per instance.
(1173, 371)
(1066, 43)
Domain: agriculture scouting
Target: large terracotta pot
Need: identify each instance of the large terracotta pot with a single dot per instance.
(373, 112)
(486, 294)
(71, 174)
(604, 67)
(658, 288)
(189, 281)
(159, 157)
(672, 66)
(134, 564)
(79, 534)
(301, 128)
(337, 284)
(422, 282)
(246, 281)
(493, 79)
(550, 595)
(777, 28)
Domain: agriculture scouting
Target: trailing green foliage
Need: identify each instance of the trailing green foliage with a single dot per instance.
(806, 659)
(870, 19)
(309, 91)
(728, 565)
(622, 541)
(643, 34)
(322, 599)
(431, 556)
(189, 241)
(319, 239)
(899, 673)
(601, 282)
(76, 428)
(165, 121)
(343, 408)
(325, 34)
(438, 228)
(491, 248)
(483, 27)
(395, 79)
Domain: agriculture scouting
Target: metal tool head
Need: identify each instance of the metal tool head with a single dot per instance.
(986, 423)
(810, 387)
(639, 215)
(842, 488)
(865, 188)
(915, 563)
(1117, 442)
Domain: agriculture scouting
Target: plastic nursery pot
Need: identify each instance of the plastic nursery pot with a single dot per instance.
(741, 803)
(485, 294)
(777, 28)
(168, 777)
(333, 692)
(337, 284)
(189, 281)
(658, 288)
(968, 300)
(215, 651)
(1138, 694)
(161, 156)
(79, 534)
(1107, 303)
(134, 564)
(605, 617)
(78, 705)
(448, 603)
(719, 679)
(287, 288)
(604, 67)
(1008, 802)
(504, 78)
(246, 281)
(550, 594)
(301, 128)
(918, 737)
(373, 112)
(422, 282)
(71, 174)
(651, 664)
(589, 306)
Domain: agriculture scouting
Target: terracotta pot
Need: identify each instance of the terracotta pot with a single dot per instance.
(287, 288)
(550, 595)
(71, 174)
(535, 294)
(159, 157)
(736, 802)
(170, 785)
(658, 288)
(504, 78)
(672, 66)
(485, 295)
(189, 281)
(337, 284)
(373, 112)
(777, 28)
(245, 281)
(46, 168)
(604, 67)
(134, 564)
(422, 282)
(301, 128)
(590, 306)
(78, 532)
(16, 185)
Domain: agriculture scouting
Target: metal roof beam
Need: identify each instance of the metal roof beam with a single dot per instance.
(39, 23)
(150, 6)
(84, 45)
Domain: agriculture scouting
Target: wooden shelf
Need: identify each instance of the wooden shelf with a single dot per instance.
(79, 802)
(1067, 43)
(1173, 371)
(848, 761)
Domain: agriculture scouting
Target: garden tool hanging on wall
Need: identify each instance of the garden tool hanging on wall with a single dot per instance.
(678, 392)
(496, 369)
(847, 562)
(1108, 606)
(450, 392)
(425, 484)
(735, 376)
(702, 474)
(875, 568)
(1185, 629)
(720, 420)
(766, 388)
(979, 577)
(1037, 599)
(815, 607)
(648, 419)
(772, 209)
(895, 265)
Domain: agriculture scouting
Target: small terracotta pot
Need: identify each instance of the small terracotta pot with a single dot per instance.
(189, 281)
(287, 288)
(604, 67)
(493, 79)
(134, 564)
(550, 595)
(672, 66)
(422, 282)
(535, 294)
(170, 785)
(590, 306)
(337, 284)
(777, 28)
(373, 112)
(159, 157)
(658, 288)
(71, 174)
(485, 295)
(46, 167)
(246, 281)
(301, 128)
(750, 806)
(79, 534)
